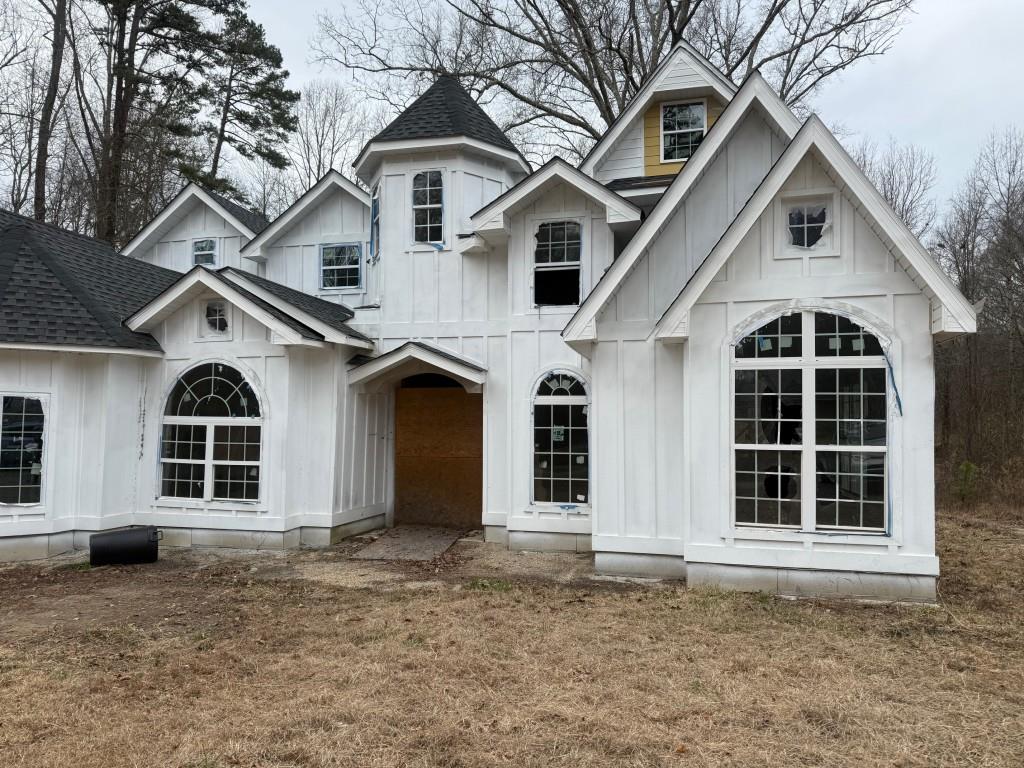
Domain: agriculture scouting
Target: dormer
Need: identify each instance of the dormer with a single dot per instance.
(652, 139)
(433, 166)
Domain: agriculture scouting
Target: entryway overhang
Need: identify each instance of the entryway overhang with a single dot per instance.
(416, 357)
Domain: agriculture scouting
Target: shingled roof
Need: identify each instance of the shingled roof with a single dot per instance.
(256, 222)
(445, 109)
(60, 288)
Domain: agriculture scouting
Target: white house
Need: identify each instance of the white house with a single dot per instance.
(706, 352)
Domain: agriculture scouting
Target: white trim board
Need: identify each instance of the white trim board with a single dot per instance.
(330, 181)
(754, 93)
(383, 368)
(910, 254)
(376, 148)
(191, 191)
(18, 347)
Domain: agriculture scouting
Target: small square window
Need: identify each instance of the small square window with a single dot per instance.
(204, 252)
(341, 266)
(216, 317)
(808, 225)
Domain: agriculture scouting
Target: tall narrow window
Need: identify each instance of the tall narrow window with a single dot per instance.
(212, 437)
(204, 252)
(21, 449)
(682, 130)
(556, 276)
(810, 425)
(375, 224)
(341, 266)
(428, 207)
(561, 442)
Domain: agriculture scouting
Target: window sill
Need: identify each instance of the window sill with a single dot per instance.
(552, 508)
(796, 536)
(165, 502)
(791, 252)
(341, 291)
(428, 248)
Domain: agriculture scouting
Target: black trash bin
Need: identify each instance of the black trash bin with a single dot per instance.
(125, 546)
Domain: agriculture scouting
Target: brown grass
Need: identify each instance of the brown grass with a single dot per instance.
(204, 662)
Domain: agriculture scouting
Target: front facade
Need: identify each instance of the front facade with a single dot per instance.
(704, 352)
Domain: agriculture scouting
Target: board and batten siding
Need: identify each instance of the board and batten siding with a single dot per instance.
(174, 248)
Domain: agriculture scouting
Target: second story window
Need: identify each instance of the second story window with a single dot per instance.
(217, 317)
(807, 222)
(556, 276)
(375, 224)
(204, 252)
(341, 266)
(682, 129)
(427, 207)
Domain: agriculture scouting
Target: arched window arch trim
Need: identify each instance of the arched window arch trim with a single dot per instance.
(212, 457)
(792, 438)
(560, 431)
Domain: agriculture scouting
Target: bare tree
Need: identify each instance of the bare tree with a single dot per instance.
(332, 127)
(905, 175)
(565, 69)
(58, 14)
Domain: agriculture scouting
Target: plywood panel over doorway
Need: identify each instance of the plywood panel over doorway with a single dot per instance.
(438, 455)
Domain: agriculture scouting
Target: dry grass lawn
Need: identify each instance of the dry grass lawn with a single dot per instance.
(308, 659)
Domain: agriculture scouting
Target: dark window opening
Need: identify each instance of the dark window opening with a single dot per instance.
(428, 381)
(557, 287)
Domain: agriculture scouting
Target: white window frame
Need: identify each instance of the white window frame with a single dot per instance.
(661, 127)
(375, 212)
(579, 508)
(213, 252)
(829, 244)
(44, 401)
(361, 268)
(208, 462)
(534, 225)
(431, 244)
(808, 363)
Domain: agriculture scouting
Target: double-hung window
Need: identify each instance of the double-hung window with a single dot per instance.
(211, 440)
(556, 256)
(341, 266)
(682, 130)
(810, 426)
(21, 449)
(428, 207)
(204, 252)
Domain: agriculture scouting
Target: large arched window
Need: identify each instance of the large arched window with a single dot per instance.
(561, 443)
(810, 425)
(211, 442)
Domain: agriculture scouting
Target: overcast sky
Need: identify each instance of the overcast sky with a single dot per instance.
(955, 74)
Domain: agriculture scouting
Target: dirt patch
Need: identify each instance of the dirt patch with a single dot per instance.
(487, 657)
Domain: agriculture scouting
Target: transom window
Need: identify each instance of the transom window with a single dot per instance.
(204, 252)
(211, 441)
(682, 130)
(21, 449)
(428, 207)
(810, 425)
(341, 265)
(561, 441)
(556, 276)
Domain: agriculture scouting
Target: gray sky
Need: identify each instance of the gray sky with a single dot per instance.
(955, 74)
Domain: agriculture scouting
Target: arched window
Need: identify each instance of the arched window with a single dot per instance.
(561, 443)
(211, 442)
(810, 425)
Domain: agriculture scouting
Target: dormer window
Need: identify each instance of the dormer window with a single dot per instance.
(683, 126)
(556, 276)
(204, 252)
(428, 207)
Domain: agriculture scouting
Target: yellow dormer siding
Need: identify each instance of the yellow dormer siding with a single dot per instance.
(653, 166)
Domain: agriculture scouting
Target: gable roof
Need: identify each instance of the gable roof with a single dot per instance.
(753, 93)
(58, 288)
(493, 216)
(328, 182)
(418, 357)
(682, 52)
(957, 315)
(292, 325)
(247, 222)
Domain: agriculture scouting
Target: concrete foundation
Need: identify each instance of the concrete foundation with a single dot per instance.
(812, 583)
(17, 548)
(640, 566)
(543, 541)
